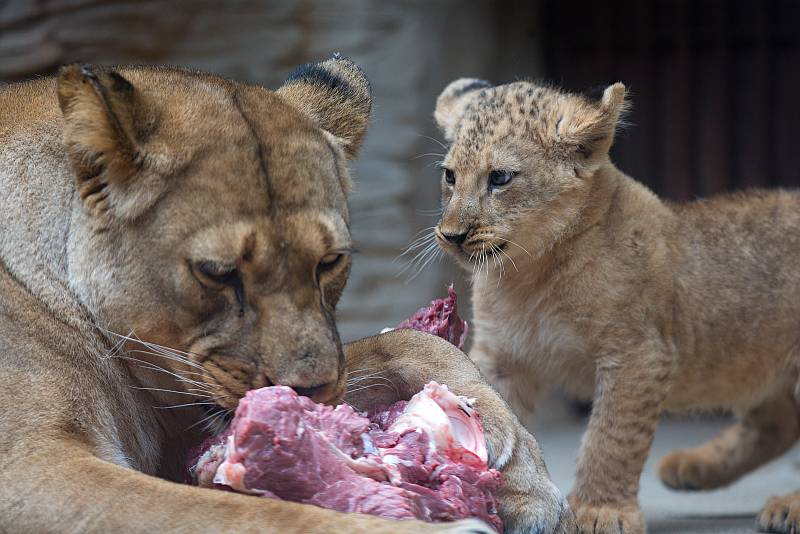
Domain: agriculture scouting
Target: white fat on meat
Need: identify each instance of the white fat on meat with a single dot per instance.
(448, 419)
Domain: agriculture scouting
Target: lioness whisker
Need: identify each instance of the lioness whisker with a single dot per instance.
(174, 357)
(149, 365)
(134, 351)
(155, 346)
(164, 390)
(378, 378)
(362, 388)
(363, 378)
(203, 420)
(185, 405)
(209, 419)
(352, 371)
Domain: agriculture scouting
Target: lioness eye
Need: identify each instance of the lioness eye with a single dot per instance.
(328, 262)
(449, 176)
(500, 178)
(221, 275)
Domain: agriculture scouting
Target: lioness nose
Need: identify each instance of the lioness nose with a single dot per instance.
(316, 393)
(456, 238)
(309, 391)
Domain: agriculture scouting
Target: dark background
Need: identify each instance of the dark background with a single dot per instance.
(715, 86)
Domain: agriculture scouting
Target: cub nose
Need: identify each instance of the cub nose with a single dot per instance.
(456, 239)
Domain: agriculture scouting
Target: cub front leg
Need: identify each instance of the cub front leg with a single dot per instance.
(516, 382)
(401, 362)
(630, 391)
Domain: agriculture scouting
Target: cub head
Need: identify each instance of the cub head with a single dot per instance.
(210, 219)
(520, 165)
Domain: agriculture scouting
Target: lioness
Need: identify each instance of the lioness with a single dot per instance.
(615, 295)
(171, 239)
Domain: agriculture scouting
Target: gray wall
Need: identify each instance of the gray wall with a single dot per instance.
(409, 49)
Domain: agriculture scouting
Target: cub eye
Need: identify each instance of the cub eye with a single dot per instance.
(500, 178)
(328, 262)
(449, 176)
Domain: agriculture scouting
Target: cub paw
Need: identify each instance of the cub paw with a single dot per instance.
(608, 518)
(781, 514)
(691, 470)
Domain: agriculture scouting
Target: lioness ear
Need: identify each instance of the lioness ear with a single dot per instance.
(104, 125)
(588, 128)
(453, 101)
(336, 95)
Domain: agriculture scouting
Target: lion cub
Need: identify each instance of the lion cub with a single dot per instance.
(583, 278)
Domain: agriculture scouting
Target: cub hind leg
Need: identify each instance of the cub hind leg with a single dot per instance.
(764, 433)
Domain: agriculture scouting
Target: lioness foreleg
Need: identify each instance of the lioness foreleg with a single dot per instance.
(62, 487)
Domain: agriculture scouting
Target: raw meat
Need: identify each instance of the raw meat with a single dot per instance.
(424, 458)
(441, 319)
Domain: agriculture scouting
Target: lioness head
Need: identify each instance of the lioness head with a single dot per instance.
(213, 217)
(519, 168)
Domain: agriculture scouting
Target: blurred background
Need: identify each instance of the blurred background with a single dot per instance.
(715, 86)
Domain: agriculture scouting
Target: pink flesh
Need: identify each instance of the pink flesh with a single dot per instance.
(440, 318)
(425, 458)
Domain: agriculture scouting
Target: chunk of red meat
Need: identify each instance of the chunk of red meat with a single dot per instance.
(405, 461)
(440, 318)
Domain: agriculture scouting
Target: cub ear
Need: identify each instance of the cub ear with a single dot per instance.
(336, 95)
(453, 101)
(589, 127)
(104, 125)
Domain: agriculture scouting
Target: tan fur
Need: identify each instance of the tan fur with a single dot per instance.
(584, 279)
(182, 210)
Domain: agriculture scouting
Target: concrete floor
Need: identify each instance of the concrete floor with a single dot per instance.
(731, 510)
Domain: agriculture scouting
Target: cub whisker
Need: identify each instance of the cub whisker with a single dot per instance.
(515, 244)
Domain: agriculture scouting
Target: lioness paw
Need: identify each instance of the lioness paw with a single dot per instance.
(691, 470)
(608, 518)
(545, 511)
(781, 514)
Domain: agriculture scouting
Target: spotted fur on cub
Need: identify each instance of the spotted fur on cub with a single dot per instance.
(584, 279)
